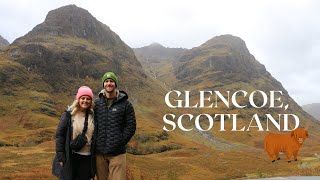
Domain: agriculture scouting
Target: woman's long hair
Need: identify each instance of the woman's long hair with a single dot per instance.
(75, 107)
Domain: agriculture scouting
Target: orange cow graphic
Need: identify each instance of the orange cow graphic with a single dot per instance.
(288, 143)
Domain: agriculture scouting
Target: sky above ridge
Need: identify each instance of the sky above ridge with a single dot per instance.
(283, 35)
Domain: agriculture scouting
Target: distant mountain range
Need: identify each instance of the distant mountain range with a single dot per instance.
(313, 110)
(3, 41)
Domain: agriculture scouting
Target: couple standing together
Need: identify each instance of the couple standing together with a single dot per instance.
(108, 124)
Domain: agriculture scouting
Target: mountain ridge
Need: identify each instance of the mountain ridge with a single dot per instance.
(84, 53)
(221, 55)
(159, 60)
(313, 109)
(3, 41)
(155, 50)
(73, 21)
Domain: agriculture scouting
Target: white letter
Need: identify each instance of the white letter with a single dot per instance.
(167, 99)
(269, 116)
(202, 99)
(256, 117)
(222, 120)
(180, 122)
(272, 99)
(234, 127)
(197, 122)
(285, 122)
(187, 99)
(226, 102)
(234, 99)
(169, 122)
(265, 99)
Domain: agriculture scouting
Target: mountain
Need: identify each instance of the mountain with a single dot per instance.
(87, 48)
(224, 63)
(224, 55)
(3, 41)
(158, 61)
(72, 21)
(156, 51)
(313, 110)
(42, 70)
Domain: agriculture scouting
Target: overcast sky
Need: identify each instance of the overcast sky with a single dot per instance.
(284, 35)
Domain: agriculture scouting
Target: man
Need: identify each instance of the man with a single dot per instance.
(116, 124)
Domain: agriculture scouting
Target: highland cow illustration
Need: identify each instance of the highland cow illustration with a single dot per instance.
(288, 143)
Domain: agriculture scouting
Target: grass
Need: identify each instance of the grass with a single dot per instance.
(26, 163)
(200, 163)
(150, 143)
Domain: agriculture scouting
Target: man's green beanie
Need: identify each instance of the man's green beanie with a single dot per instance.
(109, 75)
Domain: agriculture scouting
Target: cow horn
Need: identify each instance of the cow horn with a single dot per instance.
(290, 125)
(292, 133)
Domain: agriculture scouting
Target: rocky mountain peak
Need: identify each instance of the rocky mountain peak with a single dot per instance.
(156, 45)
(225, 55)
(73, 21)
(3, 41)
(229, 41)
(72, 44)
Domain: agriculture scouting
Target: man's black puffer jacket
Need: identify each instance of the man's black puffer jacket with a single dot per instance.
(115, 125)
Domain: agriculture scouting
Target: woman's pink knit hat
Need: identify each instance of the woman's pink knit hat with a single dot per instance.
(84, 90)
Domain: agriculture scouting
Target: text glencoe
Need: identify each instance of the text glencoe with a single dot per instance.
(174, 99)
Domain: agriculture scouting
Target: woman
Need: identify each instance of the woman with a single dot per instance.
(70, 164)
